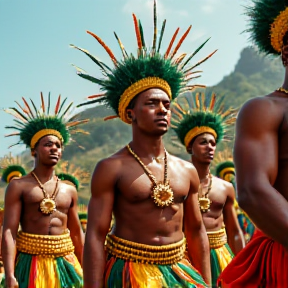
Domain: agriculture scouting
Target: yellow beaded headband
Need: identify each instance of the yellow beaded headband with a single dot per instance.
(278, 30)
(42, 133)
(135, 89)
(197, 131)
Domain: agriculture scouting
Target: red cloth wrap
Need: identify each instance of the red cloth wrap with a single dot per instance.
(263, 263)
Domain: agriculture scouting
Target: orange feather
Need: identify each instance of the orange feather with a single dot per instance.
(58, 104)
(171, 43)
(137, 31)
(96, 96)
(181, 41)
(108, 50)
(110, 117)
(43, 103)
(27, 106)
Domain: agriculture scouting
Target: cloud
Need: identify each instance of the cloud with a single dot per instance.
(209, 6)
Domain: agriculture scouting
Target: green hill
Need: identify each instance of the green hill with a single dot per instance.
(254, 75)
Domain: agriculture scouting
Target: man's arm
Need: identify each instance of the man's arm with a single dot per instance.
(99, 218)
(236, 239)
(256, 161)
(195, 232)
(74, 226)
(12, 214)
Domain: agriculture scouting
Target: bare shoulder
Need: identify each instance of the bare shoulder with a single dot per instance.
(113, 162)
(223, 185)
(17, 183)
(67, 188)
(255, 109)
(183, 164)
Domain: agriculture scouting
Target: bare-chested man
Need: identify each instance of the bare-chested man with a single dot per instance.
(46, 209)
(148, 190)
(260, 155)
(200, 128)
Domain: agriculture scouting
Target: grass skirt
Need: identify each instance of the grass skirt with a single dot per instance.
(131, 273)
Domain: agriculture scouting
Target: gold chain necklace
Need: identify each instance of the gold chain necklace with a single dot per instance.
(281, 89)
(162, 193)
(203, 201)
(48, 203)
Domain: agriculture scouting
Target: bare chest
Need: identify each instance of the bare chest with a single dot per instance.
(33, 195)
(136, 186)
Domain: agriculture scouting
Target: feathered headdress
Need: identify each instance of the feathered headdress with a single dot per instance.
(82, 213)
(268, 24)
(12, 167)
(72, 174)
(148, 69)
(201, 113)
(32, 124)
(225, 168)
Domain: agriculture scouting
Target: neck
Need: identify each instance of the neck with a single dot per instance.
(203, 169)
(44, 173)
(146, 145)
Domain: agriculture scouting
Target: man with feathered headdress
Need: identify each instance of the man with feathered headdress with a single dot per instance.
(260, 156)
(201, 121)
(142, 184)
(46, 208)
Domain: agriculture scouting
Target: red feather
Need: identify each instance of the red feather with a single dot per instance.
(171, 43)
(57, 105)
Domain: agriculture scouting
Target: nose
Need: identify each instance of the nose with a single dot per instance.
(162, 108)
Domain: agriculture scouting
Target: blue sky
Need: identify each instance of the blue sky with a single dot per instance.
(35, 36)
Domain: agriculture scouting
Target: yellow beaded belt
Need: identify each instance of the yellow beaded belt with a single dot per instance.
(217, 238)
(142, 253)
(45, 245)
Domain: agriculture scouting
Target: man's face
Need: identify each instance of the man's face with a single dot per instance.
(151, 112)
(203, 148)
(48, 150)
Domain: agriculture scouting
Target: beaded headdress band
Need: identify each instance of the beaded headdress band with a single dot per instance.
(268, 24)
(148, 69)
(200, 113)
(72, 174)
(12, 167)
(32, 124)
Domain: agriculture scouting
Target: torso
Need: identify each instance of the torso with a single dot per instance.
(281, 182)
(32, 219)
(137, 218)
(213, 219)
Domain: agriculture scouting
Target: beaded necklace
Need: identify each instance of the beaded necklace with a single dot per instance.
(162, 194)
(203, 201)
(48, 203)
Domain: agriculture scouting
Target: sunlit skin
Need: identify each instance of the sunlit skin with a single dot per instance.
(22, 199)
(261, 160)
(126, 191)
(221, 213)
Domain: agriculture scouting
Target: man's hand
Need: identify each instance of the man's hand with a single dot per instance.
(11, 282)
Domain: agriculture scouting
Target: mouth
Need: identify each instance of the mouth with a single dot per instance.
(55, 157)
(161, 121)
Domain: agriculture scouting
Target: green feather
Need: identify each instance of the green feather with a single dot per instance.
(194, 53)
(62, 104)
(48, 107)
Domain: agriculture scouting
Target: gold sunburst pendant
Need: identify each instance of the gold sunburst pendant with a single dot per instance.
(204, 204)
(162, 195)
(47, 206)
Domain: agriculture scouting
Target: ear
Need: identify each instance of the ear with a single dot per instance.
(189, 148)
(130, 114)
(33, 152)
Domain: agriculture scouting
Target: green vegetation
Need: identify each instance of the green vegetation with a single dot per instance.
(253, 76)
